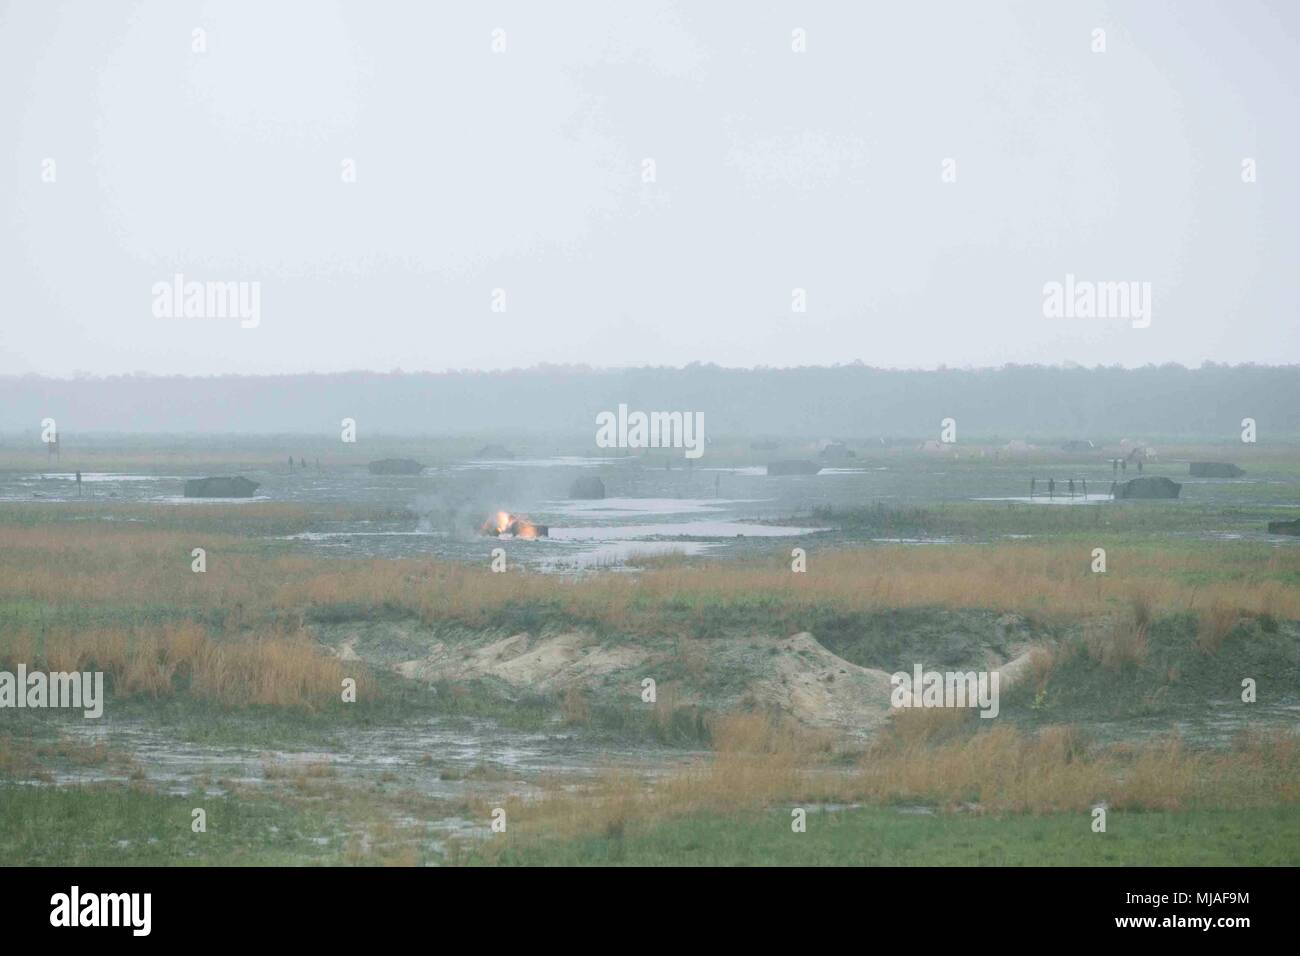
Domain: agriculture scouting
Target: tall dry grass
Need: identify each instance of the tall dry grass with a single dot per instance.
(112, 565)
(271, 670)
(1214, 624)
(760, 763)
(1056, 770)
(1120, 640)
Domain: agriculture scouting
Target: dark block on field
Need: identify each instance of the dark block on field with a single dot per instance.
(588, 486)
(1215, 469)
(221, 487)
(837, 451)
(1149, 487)
(1285, 527)
(793, 467)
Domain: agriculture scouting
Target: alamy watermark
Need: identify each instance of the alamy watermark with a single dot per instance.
(1085, 299)
(924, 688)
(131, 910)
(83, 690)
(652, 430)
(179, 299)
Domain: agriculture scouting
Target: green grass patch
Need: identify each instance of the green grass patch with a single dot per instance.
(885, 837)
(121, 826)
(1174, 679)
(991, 520)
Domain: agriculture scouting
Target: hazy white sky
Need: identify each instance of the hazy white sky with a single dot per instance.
(522, 170)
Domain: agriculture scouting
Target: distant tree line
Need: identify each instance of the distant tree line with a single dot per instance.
(850, 401)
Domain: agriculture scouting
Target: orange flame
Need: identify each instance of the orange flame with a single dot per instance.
(505, 523)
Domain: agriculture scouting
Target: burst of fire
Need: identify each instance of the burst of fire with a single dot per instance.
(503, 522)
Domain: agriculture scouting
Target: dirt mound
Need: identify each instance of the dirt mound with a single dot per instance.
(796, 675)
(821, 689)
(543, 664)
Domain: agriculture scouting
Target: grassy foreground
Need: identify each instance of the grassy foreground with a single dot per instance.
(235, 655)
(875, 836)
(120, 826)
(95, 826)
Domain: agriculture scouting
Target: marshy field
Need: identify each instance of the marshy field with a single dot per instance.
(693, 669)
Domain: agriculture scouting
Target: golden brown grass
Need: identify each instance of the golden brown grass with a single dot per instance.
(921, 726)
(1114, 643)
(1214, 624)
(267, 669)
(1043, 661)
(575, 709)
(383, 844)
(1005, 770)
(760, 763)
(103, 564)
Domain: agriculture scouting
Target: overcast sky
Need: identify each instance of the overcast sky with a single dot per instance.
(524, 170)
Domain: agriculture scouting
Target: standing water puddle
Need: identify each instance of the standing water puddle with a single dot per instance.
(443, 758)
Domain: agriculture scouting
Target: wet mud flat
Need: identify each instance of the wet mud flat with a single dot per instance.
(713, 511)
(439, 757)
(443, 762)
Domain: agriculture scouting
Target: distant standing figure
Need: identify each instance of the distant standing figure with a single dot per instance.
(1114, 466)
(78, 484)
(1051, 488)
(302, 463)
(1123, 465)
(1139, 466)
(1033, 483)
(1071, 487)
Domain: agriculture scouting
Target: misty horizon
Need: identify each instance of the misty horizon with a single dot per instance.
(582, 367)
(1208, 402)
(651, 186)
